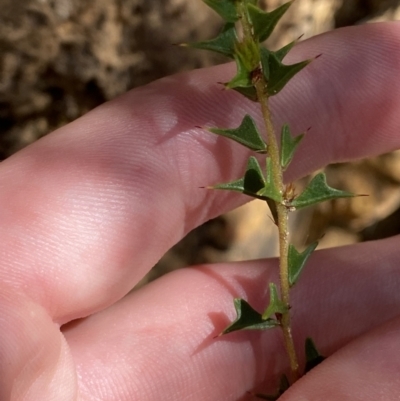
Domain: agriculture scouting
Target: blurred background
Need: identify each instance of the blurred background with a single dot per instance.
(61, 58)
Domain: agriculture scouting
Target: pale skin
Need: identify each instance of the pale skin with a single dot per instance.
(88, 210)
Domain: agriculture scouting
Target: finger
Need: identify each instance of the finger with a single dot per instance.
(90, 209)
(161, 339)
(348, 102)
(366, 369)
(35, 362)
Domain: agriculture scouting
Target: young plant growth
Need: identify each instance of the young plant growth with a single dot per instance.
(260, 75)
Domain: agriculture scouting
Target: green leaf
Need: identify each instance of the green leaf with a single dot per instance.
(313, 357)
(282, 52)
(280, 74)
(297, 261)
(242, 79)
(252, 182)
(248, 319)
(224, 43)
(289, 145)
(247, 91)
(246, 134)
(283, 386)
(225, 8)
(263, 22)
(270, 191)
(275, 303)
(318, 191)
(274, 210)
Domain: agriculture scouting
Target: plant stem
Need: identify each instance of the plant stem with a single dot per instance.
(283, 217)
(283, 227)
(260, 85)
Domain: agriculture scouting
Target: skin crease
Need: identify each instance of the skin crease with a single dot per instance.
(88, 210)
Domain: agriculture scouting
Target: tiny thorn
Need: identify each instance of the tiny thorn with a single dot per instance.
(318, 56)
(199, 126)
(308, 129)
(300, 37)
(223, 86)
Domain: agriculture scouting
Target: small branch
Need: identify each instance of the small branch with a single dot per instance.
(260, 85)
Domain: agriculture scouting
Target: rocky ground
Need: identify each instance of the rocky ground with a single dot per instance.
(61, 58)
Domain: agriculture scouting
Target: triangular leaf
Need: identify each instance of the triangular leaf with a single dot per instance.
(224, 43)
(274, 211)
(269, 190)
(225, 8)
(254, 179)
(264, 22)
(248, 319)
(242, 79)
(318, 191)
(246, 134)
(289, 145)
(275, 303)
(313, 357)
(297, 261)
(252, 182)
(283, 386)
(280, 74)
(282, 52)
(264, 56)
(247, 91)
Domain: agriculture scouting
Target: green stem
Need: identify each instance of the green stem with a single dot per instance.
(283, 217)
(260, 85)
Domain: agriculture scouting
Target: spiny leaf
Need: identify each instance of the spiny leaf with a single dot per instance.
(297, 261)
(242, 79)
(249, 53)
(247, 91)
(275, 303)
(252, 182)
(318, 191)
(283, 386)
(289, 145)
(280, 74)
(282, 52)
(313, 357)
(224, 43)
(270, 191)
(225, 8)
(248, 319)
(274, 211)
(264, 22)
(246, 134)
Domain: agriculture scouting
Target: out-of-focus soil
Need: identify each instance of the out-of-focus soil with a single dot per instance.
(61, 58)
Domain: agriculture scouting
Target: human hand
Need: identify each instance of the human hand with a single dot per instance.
(88, 210)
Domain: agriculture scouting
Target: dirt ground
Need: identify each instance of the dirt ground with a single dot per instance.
(61, 58)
